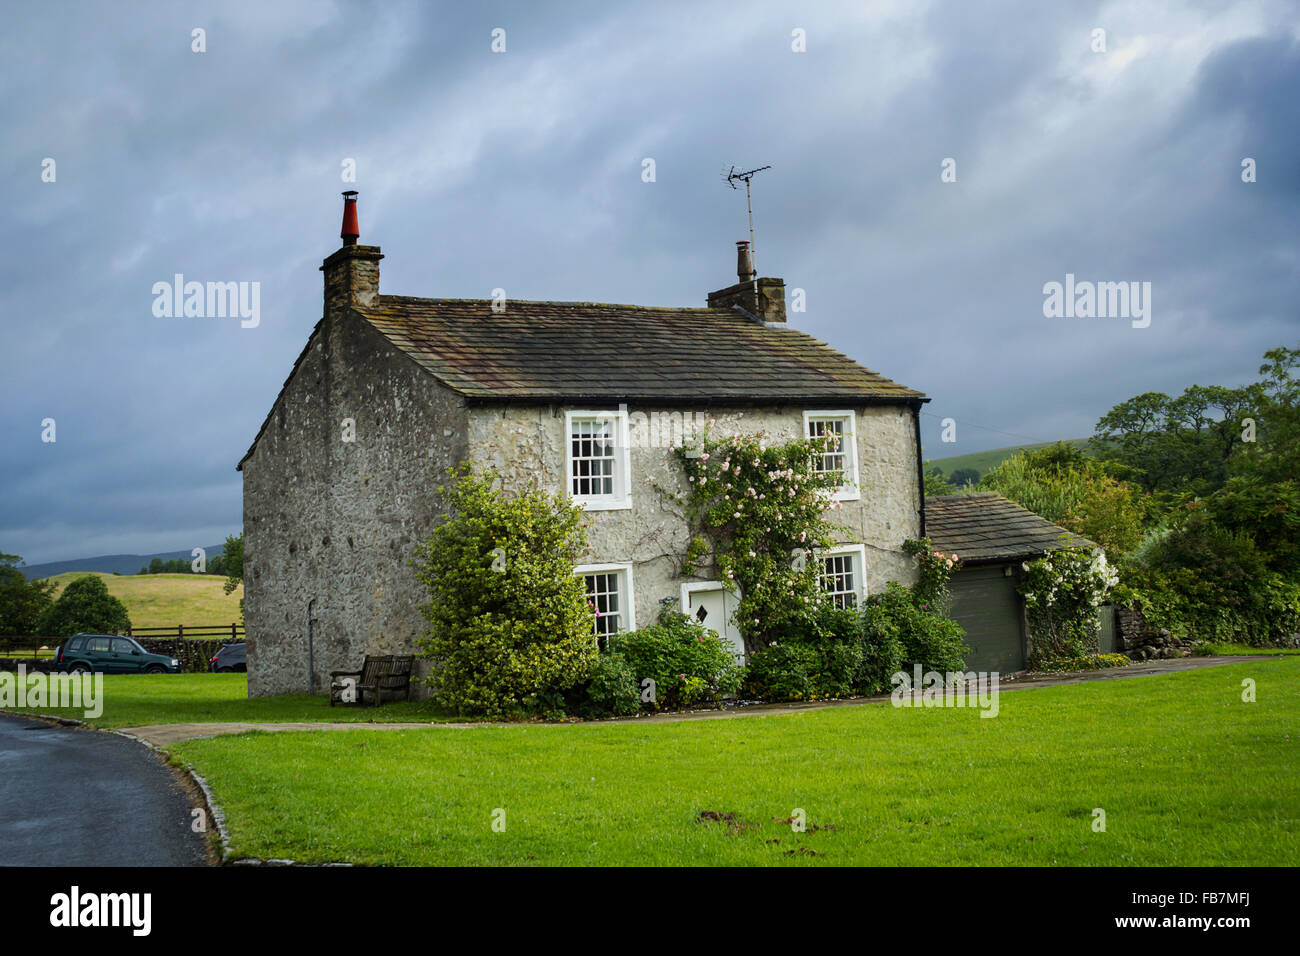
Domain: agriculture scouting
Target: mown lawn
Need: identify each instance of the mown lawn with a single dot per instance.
(131, 700)
(1187, 773)
(1229, 650)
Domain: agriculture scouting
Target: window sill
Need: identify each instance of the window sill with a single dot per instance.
(603, 504)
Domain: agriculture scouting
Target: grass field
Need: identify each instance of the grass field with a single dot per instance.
(1230, 650)
(131, 700)
(1186, 772)
(165, 600)
(986, 461)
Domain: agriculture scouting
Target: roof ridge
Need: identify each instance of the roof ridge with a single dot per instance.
(604, 305)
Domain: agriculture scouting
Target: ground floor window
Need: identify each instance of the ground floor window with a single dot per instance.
(842, 575)
(609, 594)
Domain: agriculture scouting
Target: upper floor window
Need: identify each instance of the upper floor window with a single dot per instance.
(596, 459)
(841, 455)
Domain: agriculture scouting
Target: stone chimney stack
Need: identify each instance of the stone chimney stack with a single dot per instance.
(762, 299)
(351, 273)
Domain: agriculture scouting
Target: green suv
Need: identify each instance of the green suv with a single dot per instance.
(110, 654)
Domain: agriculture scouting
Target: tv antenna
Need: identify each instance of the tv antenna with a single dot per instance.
(734, 177)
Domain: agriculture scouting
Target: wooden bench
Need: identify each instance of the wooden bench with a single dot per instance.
(380, 676)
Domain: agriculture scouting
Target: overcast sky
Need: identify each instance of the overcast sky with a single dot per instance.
(523, 170)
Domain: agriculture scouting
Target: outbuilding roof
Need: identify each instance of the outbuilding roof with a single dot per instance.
(985, 528)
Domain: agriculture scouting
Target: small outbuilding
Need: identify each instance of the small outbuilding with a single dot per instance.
(993, 537)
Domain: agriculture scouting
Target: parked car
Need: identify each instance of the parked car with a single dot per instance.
(110, 654)
(230, 658)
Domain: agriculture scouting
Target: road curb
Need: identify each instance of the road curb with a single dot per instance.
(210, 805)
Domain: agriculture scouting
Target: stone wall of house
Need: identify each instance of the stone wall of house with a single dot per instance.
(525, 445)
(330, 525)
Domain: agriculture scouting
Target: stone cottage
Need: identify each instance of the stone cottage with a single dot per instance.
(340, 484)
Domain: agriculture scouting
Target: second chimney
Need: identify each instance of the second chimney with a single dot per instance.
(763, 299)
(744, 262)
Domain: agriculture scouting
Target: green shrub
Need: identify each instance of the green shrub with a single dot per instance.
(85, 605)
(831, 656)
(923, 635)
(687, 662)
(838, 671)
(612, 690)
(782, 672)
(510, 629)
(882, 657)
(1208, 583)
(853, 659)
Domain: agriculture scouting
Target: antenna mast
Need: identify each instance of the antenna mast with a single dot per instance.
(732, 178)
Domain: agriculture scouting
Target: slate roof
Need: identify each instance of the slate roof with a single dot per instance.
(583, 351)
(985, 528)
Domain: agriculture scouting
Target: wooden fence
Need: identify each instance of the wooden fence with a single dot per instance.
(29, 648)
(234, 632)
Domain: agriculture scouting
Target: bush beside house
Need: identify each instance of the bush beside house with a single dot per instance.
(510, 629)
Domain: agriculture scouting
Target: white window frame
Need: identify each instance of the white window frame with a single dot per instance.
(627, 594)
(621, 499)
(859, 552)
(851, 489)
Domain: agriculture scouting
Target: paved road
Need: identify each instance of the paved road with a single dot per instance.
(73, 797)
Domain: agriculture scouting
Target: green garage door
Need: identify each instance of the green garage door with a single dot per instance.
(985, 604)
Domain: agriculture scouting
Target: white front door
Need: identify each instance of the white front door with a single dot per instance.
(714, 606)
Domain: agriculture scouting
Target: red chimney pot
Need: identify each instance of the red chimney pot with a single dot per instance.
(350, 232)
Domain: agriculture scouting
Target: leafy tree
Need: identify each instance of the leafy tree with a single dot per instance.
(156, 566)
(964, 476)
(1178, 444)
(1268, 512)
(937, 485)
(84, 605)
(1075, 490)
(21, 601)
(232, 559)
(510, 627)
(1275, 454)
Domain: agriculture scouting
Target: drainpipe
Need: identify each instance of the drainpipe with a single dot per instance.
(311, 663)
(920, 465)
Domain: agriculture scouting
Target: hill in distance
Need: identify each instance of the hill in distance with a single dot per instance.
(108, 563)
(165, 600)
(985, 461)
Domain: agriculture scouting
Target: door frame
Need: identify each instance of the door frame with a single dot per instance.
(685, 602)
